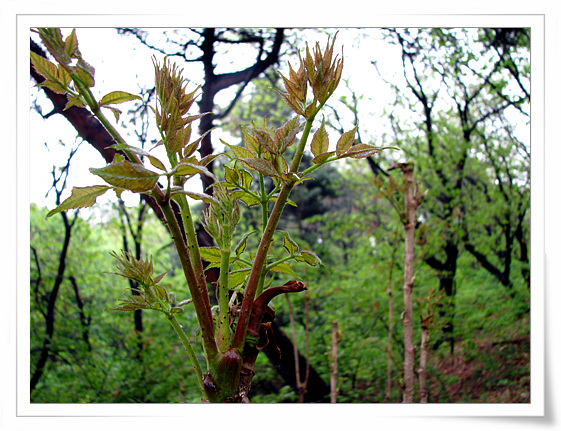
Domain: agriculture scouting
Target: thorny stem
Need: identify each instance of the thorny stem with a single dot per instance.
(189, 348)
(192, 244)
(198, 291)
(224, 337)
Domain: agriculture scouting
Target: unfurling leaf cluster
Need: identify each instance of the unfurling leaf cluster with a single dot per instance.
(150, 294)
(72, 75)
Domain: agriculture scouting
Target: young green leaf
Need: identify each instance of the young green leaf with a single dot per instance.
(237, 277)
(360, 151)
(284, 268)
(247, 198)
(44, 67)
(240, 248)
(188, 169)
(85, 72)
(73, 101)
(201, 197)
(127, 175)
(116, 112)
(81, 197)
(211, 254)
(71, 43)
(261, 165)
(231, 176)
(320, 141)
(308, 257)
(346, 141)
(289, 244)
(117, 97)
(322, 158)
(251, 143)
(239, 152)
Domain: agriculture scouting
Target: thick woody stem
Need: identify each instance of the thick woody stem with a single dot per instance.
(201, 304)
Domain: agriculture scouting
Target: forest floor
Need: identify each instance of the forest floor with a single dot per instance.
(487, 372)
(495, 372)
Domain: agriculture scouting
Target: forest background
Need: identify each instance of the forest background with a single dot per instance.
(397, 284)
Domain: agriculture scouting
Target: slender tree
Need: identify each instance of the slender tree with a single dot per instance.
(412, 199)
(58, 185)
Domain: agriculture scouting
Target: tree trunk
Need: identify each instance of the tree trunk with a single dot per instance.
(318, 390)
(84, 321)
(409, 221)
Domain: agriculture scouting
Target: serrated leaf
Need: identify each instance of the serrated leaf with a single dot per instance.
(284, 268)
(81, 197)
(308, 257)
(178, 139)
(131, 306)
(288, 201)
(247, 179)
(53, 86)
(63, 76)
(251, 143)
(261, 165)
(247, 198)
(322, 158)
(127, 175)
(44, 67)
(231, 176)
(346, 141)
(236, 278)
(205, 161)
(239, 152)
(320, 141)
(185, 168)
(265, 139)
(116, 97)
(279, 163)
(360, 151)
(189, 149)
(73, 101)
(160, 292)
(289, 244)
(211, 254)
(201, 197)
(71, 43)
(159, 277)
(286, 135)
